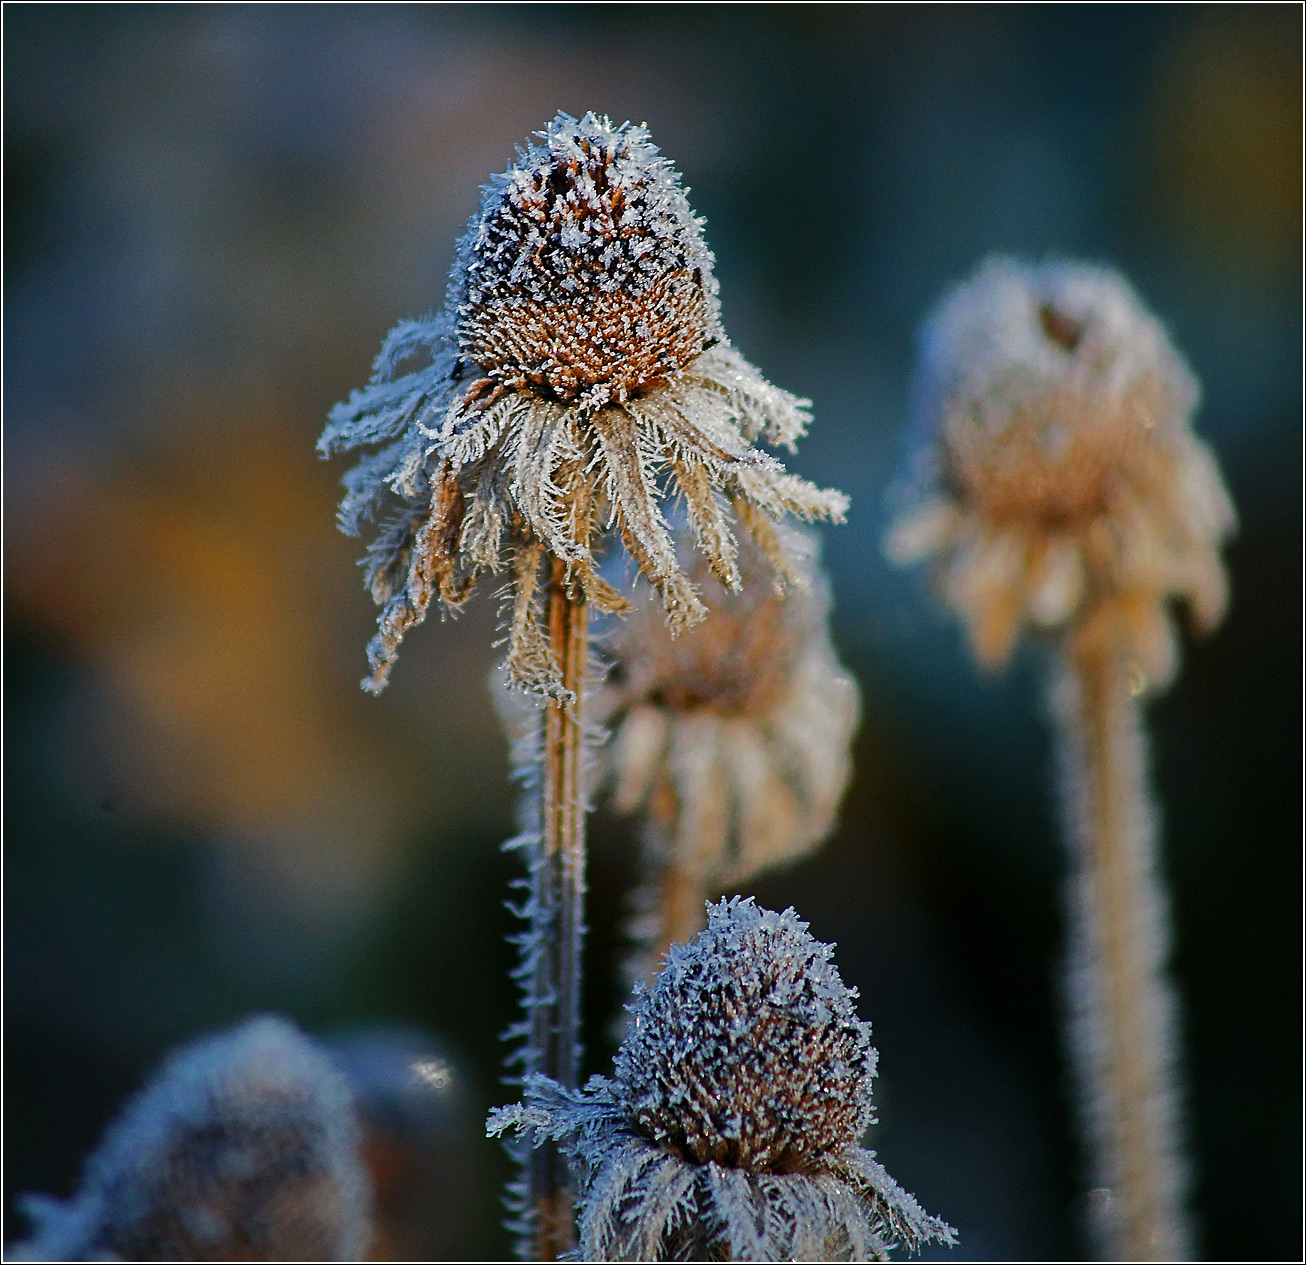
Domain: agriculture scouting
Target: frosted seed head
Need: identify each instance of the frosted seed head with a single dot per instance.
(578, 375)
(1066, 476)
(734, 662)
(244, 1147)
(585, 279)
(748, 1051)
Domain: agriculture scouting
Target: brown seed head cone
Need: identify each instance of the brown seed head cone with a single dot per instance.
(578, 375)
(734, 663)
(748, 1051)
(587, 281)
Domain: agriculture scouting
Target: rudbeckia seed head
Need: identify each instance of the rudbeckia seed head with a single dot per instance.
(578, 374)
(244, 1147)
(1066, 489)
(747, 1051)
(585, 278)
(730, 1129)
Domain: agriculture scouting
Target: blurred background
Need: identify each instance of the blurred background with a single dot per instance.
(212, 216)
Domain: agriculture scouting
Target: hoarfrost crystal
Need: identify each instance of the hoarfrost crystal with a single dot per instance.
(731, 1125)
(578, 362)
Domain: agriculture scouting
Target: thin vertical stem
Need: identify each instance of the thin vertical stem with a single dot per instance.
(559, 891)
(1122, 1008)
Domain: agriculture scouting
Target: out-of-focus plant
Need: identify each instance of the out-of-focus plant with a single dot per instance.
(1065, 492)
(731, 742)
(243, 1147)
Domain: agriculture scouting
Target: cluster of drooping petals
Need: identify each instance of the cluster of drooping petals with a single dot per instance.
(577, 372)
(731, 1126)
(243, 1147)
(1066, 490)
(733, 740)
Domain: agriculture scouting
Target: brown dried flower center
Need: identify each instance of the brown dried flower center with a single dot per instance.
(580, 289)
(567, 348)
(777, 1096)
(734, 663)
(1052, 461)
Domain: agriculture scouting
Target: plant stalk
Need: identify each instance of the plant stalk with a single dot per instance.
(1122, 1008)
(559, 881)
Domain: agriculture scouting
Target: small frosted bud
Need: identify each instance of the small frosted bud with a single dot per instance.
(731, 1125)
(579, 355)
(747, 1050)
(1068, 490)
(243, 1147)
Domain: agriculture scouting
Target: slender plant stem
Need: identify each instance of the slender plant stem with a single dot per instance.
(559, 895)
(680, 910)
(1121, 1006)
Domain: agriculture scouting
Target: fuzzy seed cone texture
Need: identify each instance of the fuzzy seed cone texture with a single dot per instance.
(733, 739)
(577, 374)
(243, 1147)
(1062, 487)
(730, 1127)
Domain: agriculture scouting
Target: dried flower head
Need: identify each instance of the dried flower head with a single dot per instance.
(735, 734)
(243, 1147)
(1068, 489)
(579, 361)
(730, 1128)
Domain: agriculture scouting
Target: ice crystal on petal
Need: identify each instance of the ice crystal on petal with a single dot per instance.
(1065, 489)
(577, 372)
(730, 1127)
(244, 1147)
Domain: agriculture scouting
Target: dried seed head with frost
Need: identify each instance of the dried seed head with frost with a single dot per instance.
(1067, 489)
(733, 740)
(731, 1125)
(243, 1147)
(578, 367)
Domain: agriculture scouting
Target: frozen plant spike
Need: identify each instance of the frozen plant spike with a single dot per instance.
(1068, 494)
(243, 1147)
(579, 364)
(1067, 491)
(732, 741)
(730, 1128)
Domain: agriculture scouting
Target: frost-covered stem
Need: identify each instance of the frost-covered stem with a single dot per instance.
(1121, 1007)
(559, 898)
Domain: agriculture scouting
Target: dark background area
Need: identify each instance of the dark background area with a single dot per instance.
(212, 216)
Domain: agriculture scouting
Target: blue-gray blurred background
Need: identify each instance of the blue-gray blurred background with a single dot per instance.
(213, 214)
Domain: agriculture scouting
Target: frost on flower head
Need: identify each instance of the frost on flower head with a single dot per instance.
(732, 739)
(243, 1147)
(1068, 489)
(577, 372)
(730, 1127)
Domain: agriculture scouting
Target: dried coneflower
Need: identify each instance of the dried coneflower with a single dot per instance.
(243, 1147)
(732, 741)
(1068, 494)
(577, 374)
(731, 1127)
(579, 355)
